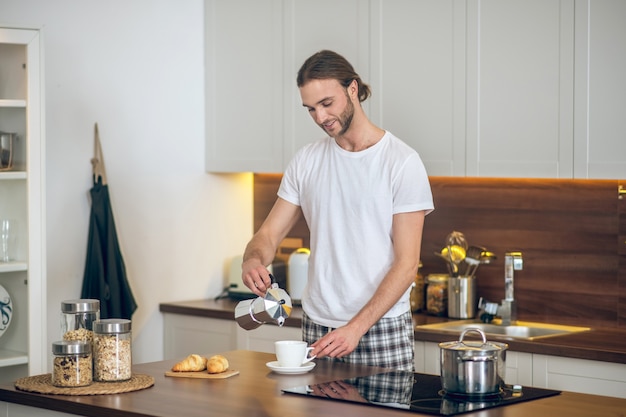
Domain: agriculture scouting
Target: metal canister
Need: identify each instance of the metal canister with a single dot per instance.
(462, 302)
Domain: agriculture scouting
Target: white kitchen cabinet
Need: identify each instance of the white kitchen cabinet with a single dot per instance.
(309, 27)
(579, 375)
(262, 338)
(184, 335)
(520, 88)
(518, 364)
(255, 119)
(418, 78)
(479, 88)
(23, 349)
(490, 88)
(600, 90)
(244, 85)
(427, 358)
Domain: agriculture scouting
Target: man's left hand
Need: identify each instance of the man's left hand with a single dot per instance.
(336, 344)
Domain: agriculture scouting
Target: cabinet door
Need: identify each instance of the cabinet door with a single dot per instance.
(262, 338)
(244, 84)
(579, 375)
(184, 335)
(600, 90)
(419, 80)
(309, 27)
(520, 88)
(432, 358)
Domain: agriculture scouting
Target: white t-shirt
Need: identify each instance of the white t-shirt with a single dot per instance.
(348, 200)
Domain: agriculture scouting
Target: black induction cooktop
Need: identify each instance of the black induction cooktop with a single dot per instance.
(414, 392)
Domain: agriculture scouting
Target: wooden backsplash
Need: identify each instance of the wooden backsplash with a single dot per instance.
(572, 234)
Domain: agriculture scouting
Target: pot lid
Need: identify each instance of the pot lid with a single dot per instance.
(474, 346)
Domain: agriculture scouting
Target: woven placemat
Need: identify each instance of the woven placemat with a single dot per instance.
(42, 384)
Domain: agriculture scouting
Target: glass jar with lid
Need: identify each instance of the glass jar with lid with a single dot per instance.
(78, 317)
(437, 294)
(417, 292)
(112, 350)
(72, 363)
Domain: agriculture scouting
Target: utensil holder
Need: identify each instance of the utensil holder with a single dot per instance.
(462, 302)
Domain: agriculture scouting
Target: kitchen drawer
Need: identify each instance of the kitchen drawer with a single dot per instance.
(579, 375)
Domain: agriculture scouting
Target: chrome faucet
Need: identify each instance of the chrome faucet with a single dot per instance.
(508, 309)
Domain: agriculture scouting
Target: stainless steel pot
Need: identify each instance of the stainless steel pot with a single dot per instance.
(472, 368)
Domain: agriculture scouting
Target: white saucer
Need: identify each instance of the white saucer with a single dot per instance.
(302, 369)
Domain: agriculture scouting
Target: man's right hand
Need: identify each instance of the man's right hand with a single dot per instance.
(256, 277)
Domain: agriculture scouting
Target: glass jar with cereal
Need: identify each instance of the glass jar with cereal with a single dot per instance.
(437, 295)
(112, 350)
(72, 363)
(77, 318)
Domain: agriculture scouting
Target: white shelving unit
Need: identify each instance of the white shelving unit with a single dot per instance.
(23, 349)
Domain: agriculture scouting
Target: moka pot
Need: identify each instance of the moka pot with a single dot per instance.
(274, 306)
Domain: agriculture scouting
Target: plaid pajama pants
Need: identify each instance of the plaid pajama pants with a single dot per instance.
(388, 343)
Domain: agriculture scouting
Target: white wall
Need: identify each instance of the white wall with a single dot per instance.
(136, 67)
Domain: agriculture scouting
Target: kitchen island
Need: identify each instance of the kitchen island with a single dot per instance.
(256, 391)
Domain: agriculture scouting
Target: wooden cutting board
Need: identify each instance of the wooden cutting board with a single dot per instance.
(203, 374)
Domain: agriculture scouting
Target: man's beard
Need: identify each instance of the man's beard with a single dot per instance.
(345, 118)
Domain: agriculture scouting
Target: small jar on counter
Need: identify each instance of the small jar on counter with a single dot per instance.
(112, 350)
(437, 295)
(417, 292)
(72, 363)
(77, 318)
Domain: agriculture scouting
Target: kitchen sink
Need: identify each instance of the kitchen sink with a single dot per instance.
(523, 330)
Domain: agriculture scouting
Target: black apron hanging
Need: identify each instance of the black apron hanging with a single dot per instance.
(105, 274)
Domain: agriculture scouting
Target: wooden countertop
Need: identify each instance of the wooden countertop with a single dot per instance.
(257, 392)
(607, 345)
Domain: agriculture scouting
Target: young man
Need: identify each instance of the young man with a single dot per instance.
(364, 194)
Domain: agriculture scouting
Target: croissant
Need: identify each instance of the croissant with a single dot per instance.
(191, 363)
(217, 364)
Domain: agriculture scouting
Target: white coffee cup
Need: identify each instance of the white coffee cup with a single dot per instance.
(292, 353)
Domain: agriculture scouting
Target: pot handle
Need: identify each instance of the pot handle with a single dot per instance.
(473, 329)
